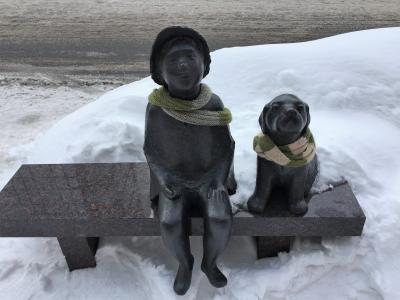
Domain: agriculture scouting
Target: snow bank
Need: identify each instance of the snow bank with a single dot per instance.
(352, 84)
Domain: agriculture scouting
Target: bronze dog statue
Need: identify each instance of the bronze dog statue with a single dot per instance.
(286, 156)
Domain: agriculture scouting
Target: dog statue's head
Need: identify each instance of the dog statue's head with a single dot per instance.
(285, 119)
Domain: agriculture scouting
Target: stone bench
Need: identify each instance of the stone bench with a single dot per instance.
(78, 203)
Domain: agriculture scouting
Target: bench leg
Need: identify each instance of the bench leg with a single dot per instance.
(79, 252)
(269, 246)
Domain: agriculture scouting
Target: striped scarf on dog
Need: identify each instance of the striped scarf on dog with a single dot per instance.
(189, 111)
(296, 154)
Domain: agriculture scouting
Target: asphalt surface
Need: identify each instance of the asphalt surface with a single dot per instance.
(113, 38)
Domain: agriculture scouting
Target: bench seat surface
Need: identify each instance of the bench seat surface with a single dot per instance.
(112, 199)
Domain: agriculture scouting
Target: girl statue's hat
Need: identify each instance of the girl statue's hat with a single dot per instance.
(170, 33)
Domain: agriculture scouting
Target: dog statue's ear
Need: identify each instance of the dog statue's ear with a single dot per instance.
(262, 118)
(308, 117)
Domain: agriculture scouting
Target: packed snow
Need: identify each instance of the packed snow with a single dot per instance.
(31, 101)
(352, 84)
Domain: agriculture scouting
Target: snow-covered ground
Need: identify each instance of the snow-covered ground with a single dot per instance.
(352, 84)
(31, 101)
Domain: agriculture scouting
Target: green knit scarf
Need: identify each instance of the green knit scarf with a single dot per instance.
(190, 111)
(296, 154)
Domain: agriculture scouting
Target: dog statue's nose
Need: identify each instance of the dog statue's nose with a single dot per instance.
(291, 112)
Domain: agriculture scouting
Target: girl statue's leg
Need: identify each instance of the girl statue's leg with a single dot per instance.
(217, 229)
(174, 231)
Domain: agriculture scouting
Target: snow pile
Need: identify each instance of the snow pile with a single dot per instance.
(352, 84)
(30, 104)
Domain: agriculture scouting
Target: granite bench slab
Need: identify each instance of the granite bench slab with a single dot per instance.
(78, 203)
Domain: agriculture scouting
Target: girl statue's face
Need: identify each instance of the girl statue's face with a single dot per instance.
(182, 66)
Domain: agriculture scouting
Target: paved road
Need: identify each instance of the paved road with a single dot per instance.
(114, 37)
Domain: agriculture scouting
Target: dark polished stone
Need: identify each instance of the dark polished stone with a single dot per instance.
(79, 252)
(112, 199)
(269, 246)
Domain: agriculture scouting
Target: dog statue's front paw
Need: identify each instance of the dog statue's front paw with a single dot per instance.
(255, 205)
(231, 185)
(298, 207)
